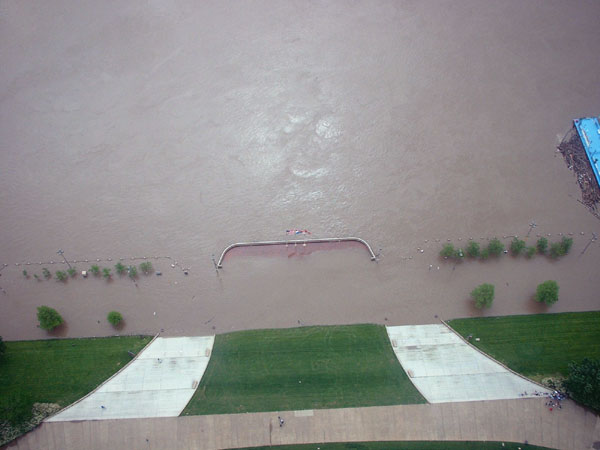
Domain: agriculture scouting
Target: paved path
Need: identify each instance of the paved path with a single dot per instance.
(444, 368)
(571, 427)
(158, 383)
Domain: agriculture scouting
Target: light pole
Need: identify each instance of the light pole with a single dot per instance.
(215, 264)
(61, 253)
(532, 225)
(594, 237)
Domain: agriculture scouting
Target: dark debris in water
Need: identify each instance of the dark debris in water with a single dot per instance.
(572, 150)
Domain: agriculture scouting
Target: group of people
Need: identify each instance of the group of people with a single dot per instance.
(554, 398)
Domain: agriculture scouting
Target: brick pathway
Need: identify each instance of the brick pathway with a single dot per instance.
(571, 427)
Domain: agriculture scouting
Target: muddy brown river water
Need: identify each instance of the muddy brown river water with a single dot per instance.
(174, 128)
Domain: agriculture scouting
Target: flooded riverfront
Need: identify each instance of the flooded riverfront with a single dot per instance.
(176, 128)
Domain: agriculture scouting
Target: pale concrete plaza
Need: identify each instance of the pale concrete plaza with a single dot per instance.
(446, 369)
(158, 383)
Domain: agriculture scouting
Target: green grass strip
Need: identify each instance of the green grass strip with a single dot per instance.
(302, 368)
(536, 346)
(405, 445)
(58, 371)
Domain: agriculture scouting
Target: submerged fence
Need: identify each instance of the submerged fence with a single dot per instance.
(295, 242)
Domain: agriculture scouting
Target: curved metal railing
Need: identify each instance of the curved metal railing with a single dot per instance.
(296, 242)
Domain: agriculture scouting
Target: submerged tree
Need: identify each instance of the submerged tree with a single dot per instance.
(495, 247)
(483, 295)
(48, 317)
(473, 249)
(132, 272)
(542, 245)
(448, 251)
(61, 276)
(146, 267)
(547, 292)
(517, 246)
(120, 268)
(114, 318)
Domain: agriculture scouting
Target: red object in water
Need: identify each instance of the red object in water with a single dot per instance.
(294, 231)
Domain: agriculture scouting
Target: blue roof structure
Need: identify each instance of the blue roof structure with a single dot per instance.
(589, 132)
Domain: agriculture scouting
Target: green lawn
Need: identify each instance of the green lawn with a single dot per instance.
(302, 368)
(58, 371)
(408, 445)
(537, 346)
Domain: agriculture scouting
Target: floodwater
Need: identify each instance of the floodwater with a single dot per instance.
(174, 128)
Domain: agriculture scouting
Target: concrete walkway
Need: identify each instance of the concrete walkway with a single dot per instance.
(572, 427)
(444, 368)
(158, 383)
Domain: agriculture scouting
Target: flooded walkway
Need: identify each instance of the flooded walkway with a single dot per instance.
(132, 130)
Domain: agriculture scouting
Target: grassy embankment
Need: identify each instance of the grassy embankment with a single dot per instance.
(302, 368)
(408, 445)
(537, 346)
(57, 371)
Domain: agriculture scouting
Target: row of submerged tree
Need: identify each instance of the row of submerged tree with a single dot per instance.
(97, 271)
(49, 318)
(546, 292)
(517, 247)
